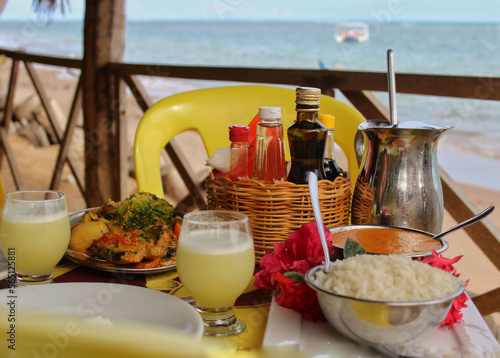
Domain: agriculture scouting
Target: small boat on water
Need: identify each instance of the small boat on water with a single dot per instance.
(352, 32)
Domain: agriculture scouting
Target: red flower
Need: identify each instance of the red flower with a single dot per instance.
(454, 315)
(300, 252)
(284, 270)
(270, 265)
(442, 262)
(292, 292)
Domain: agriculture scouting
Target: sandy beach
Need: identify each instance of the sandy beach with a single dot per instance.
(36, 164)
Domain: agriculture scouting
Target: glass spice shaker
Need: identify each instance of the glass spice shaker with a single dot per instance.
(270, 164)
(238, 135)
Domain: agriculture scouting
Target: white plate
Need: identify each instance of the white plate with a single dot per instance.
(104, 303)
(285, 327)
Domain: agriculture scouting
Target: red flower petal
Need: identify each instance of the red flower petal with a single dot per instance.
(437, 260)
(297, 296)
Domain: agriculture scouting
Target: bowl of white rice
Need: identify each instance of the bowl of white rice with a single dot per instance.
(384, 300)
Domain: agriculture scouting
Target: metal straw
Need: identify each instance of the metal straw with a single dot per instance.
(391, 79)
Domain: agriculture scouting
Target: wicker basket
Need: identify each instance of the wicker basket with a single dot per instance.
(276, 210)
(362, 204)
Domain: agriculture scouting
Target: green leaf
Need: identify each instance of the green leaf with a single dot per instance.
(295, 275)
(123, 209)
(352, 248)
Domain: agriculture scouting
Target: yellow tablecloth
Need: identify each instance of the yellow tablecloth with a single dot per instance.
(254, 314)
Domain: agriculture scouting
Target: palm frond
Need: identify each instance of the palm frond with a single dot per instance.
(48, 7)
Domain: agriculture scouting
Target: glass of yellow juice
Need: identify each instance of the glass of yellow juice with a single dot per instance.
(34, 233)
(215, 262)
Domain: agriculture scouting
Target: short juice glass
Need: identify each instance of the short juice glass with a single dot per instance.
(215, 262)
(34, 233)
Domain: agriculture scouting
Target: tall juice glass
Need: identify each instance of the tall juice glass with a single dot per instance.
(34, 232)
(215, 262)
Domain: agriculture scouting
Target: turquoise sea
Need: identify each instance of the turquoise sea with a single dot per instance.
(425, 48)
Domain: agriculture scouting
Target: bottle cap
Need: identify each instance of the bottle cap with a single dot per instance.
(327, 120)
(308, 96)
(239, 133)
(269, 113)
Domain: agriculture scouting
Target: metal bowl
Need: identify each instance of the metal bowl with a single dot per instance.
(338, 253)
(378, 323)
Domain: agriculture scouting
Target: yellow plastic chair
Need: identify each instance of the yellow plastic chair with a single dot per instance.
(2, 193)
(2, 188)
(211, 111)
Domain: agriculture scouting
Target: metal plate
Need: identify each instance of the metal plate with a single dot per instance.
(76, 218)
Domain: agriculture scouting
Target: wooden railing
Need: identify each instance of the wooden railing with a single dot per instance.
(63, 136)
(356, 86)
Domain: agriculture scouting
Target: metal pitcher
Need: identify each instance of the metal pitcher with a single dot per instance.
(398, 183)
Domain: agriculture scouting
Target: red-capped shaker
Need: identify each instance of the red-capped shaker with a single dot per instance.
(238, 135)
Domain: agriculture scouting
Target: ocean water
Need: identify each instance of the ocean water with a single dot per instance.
(424, 48)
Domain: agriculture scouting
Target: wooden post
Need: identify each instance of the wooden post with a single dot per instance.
(104, 37)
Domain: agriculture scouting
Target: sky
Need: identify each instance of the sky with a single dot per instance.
(320, 10)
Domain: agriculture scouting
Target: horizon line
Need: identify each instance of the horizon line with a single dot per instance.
(415, 21)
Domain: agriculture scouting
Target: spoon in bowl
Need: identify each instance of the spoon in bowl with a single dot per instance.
(467, 222)
(313, 194)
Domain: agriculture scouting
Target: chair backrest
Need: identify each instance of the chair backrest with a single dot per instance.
(211, 111)
(2, 193)
(2, 188)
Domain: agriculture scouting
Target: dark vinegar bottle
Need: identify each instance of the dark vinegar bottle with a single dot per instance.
(306, 137)
(332, 169)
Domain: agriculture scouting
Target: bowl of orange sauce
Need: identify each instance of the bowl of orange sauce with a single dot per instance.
(386, 240)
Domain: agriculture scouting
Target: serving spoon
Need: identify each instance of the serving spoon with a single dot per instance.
(313, 194)
(467, 222)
